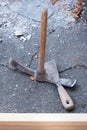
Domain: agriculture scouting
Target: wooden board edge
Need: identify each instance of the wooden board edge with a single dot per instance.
(12, 121)
(43, 125)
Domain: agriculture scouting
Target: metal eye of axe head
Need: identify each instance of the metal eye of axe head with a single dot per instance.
(47, 72)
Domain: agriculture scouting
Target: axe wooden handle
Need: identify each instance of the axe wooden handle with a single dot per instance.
(42, 41)
(65, 98)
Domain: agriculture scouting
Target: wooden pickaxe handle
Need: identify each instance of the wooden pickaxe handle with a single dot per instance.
(42, 41)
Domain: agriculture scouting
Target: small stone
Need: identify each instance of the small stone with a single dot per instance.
(23, 38)
(19, 31)
(28, 37)
(0, 40)
(16, 85)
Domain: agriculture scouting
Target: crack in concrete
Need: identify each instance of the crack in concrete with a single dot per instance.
(52, 31)
(73, 67)
(33, 56)
(32, 59)
(4, 65)
(60, 71)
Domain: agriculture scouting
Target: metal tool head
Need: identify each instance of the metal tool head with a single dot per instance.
(47, 76)
(52, 75)
(51, 71)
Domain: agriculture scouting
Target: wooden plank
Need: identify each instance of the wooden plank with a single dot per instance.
(11, 121)
(43, 117)
(43, 125)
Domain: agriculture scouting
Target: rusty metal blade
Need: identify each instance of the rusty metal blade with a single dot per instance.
(16, 65)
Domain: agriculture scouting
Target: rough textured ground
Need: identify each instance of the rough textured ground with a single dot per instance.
(66, 44)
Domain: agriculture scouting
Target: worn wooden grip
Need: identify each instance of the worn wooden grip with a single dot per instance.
(42, 40)
(65, 98)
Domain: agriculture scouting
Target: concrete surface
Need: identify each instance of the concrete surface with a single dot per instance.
(66, 44)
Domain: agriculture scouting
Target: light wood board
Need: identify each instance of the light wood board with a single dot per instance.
(11, 121)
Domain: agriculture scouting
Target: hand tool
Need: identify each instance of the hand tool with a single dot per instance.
(47, 78)
(47, 71)
(51, 70)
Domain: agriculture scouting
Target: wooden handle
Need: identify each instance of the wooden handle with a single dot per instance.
(42, 41)
(65, 98)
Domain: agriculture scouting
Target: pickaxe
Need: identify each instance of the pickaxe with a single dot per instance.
(47, 71)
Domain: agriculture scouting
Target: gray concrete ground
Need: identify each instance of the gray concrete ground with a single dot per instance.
(66, 44)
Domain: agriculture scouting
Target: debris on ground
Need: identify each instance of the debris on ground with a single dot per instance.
(23, 38)
(58, 13)
(28, 37)
(31, 10)
(19, 31)
(77, 11)
(53, 1)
